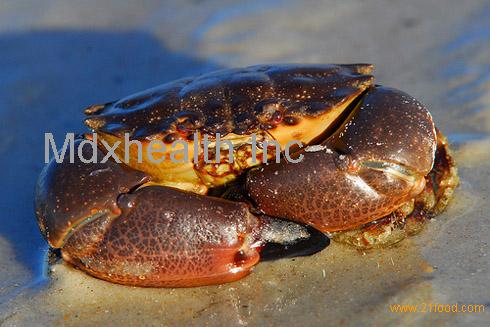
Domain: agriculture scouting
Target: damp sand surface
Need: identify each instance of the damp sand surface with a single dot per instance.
(61, 56)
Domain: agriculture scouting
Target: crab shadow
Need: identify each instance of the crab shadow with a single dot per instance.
(47, 78)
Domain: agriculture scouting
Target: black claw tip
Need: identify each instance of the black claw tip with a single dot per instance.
(316, 242)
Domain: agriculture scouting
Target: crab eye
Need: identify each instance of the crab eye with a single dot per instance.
(276, 117)
(185, 126)
(169, 138)
(290, 120)
(270, 113)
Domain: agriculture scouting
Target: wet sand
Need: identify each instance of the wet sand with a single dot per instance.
(59, 57)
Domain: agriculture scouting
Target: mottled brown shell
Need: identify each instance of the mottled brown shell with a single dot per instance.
(231, 100)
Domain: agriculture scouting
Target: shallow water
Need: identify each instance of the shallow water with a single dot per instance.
(58, 57)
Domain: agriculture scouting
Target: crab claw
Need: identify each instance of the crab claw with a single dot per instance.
(186, 242)
(376, 161)
(112, 223)
(71, 194)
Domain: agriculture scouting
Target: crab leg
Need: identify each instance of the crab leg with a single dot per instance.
(371, 165)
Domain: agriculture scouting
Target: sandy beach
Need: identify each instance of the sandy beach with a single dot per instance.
(58, 57)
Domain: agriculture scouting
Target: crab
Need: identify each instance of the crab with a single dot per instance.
(373, 170)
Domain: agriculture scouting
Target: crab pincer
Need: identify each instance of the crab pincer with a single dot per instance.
(109, 221)
(374, 162)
